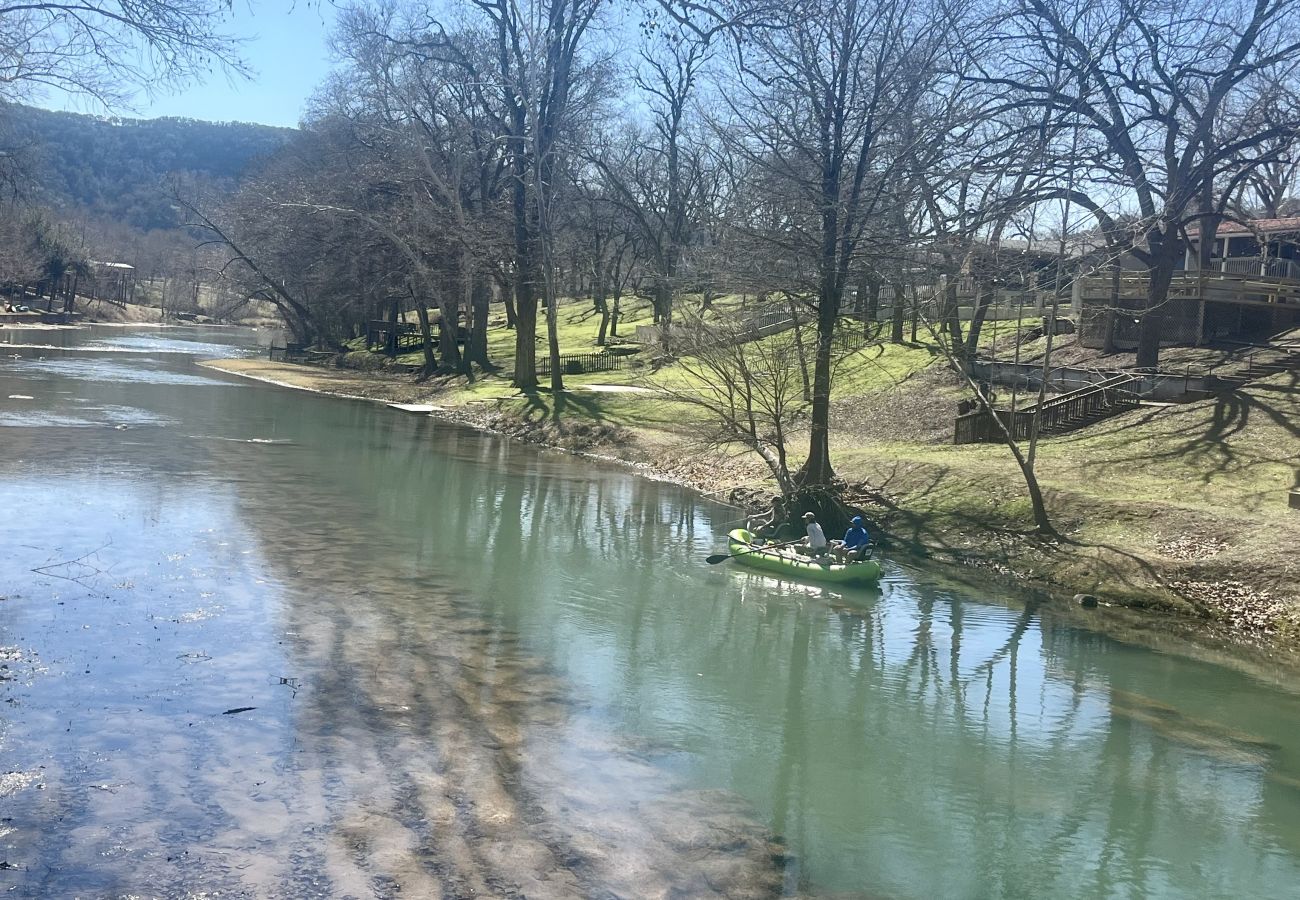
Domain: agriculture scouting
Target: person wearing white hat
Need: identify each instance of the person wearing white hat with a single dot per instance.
(817, 542)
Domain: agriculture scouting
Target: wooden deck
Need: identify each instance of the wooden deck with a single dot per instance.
(1213, 287)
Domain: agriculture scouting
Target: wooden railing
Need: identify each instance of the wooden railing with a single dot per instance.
(1110, 396)
(1060, 413)
(400, 337)
(1195, 286)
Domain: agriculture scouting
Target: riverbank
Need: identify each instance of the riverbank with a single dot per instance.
(1179, 509)
(101, 312)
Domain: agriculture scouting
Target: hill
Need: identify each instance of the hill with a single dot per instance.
(112, 168)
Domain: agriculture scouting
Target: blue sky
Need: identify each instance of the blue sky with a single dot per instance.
(287, 49)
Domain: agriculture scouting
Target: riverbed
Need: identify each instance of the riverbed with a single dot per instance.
(258, 642)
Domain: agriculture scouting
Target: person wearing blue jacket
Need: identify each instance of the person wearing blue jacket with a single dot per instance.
(856, 544)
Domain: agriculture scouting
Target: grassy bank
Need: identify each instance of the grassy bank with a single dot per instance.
(1182, 508)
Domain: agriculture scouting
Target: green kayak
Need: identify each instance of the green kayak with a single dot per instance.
(785, 561)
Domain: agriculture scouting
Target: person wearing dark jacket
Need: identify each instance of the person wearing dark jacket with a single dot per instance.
(856, 544)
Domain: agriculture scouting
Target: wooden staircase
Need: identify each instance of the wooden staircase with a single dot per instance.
(1121, 392)
(1057, 415)
(1080, 408)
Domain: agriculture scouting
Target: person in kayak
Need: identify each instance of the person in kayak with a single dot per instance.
(856, 543)
(816, 540)
(764, 525)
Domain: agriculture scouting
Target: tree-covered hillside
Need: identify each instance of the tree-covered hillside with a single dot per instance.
(114, 168)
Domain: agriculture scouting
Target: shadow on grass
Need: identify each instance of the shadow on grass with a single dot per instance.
(1219, 446)
(542, 405)
(930, 521)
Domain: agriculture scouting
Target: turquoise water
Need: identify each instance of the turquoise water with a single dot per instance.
(476, 668)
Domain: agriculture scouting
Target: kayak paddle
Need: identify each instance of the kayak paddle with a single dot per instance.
(722, 557)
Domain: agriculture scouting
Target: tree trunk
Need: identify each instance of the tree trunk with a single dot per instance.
(900, 314)
(480, 299)
(1042, 521)
(603, 306)
(776, 465)
(448, 332)
(1153, 317)
(1208, 228)
(394, 314)
(1112, 310)
(527, 267)
(525, 333)
(983, 299)
(663, 303)
(951, 314)
(508, 300)
(798, 349)
(872, 308)
(426, 337)
(553, 342)
(817, 468)
(600, 300)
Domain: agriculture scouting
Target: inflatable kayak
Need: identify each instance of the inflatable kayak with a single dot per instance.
(785, 561)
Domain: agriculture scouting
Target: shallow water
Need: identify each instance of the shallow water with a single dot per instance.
(258, 642)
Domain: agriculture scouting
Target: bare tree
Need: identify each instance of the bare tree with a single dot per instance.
(109, 49)
(418, 101)
(1138, 89)
(659, 174)
(822, 90)
(538, 53)
(748, 392)
(1025, 459)
(1267, 185)
(606, 240)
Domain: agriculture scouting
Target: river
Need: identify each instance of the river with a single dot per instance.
(258, 642)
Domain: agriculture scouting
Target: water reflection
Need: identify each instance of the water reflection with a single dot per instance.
(480, 669)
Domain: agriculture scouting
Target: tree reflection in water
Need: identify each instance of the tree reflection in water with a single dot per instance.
(516, 675)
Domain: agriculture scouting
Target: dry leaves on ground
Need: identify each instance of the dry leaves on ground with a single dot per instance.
(1236, 604)
(1191, 546)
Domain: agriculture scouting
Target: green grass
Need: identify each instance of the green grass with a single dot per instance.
(1118, 490)
(879, 367)
(1201, 457)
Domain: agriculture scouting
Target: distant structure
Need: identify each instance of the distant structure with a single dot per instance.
(1250, 291)
(113, 282)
